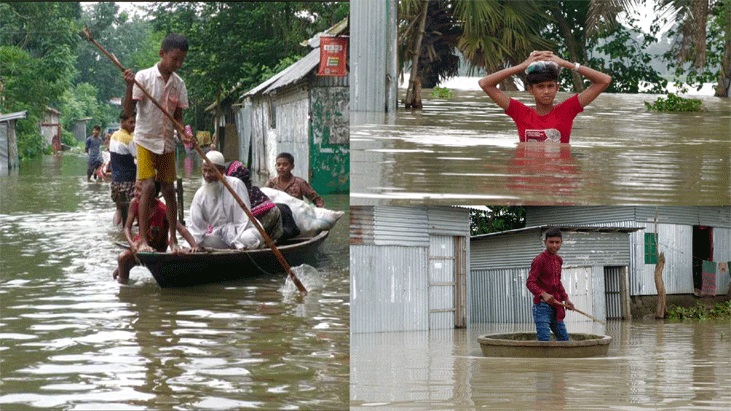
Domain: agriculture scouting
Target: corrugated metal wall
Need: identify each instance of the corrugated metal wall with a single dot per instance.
(449, 221)
(506, 251)
(500, 296)
(677, 243)
(368, 54)
(292, 129)
(403, 278)
(722, 252)
(615, 290)
(389, 288)
(401, 226)
(4, 148)
(593, 215)
(441, 282)
(245, 131)
(578, 248)
(259, 120)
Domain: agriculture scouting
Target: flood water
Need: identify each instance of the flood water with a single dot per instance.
(650, 365)
(465, 150)
(72, 338)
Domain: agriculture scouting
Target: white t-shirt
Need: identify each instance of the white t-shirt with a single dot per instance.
(154, 131)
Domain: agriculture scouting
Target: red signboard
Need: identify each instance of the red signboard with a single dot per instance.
(333, 56)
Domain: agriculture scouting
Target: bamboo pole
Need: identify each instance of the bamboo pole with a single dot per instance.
(584, 314)
(181, 130)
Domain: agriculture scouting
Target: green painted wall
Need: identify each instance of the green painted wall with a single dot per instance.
(330, 140)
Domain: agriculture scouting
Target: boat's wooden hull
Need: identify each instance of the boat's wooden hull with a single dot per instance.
(526, 345)
(184, 270)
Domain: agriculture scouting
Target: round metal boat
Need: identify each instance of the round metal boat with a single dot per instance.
(526, 345)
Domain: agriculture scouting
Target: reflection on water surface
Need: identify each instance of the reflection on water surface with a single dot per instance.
(71, 338)
(650, 365)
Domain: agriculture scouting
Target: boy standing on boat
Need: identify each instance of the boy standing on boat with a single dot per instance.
(544, 282)
(546, 122)
(154, 131)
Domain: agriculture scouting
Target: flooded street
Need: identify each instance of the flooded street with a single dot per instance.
(72, 338)
(465, 150)
(650, 365)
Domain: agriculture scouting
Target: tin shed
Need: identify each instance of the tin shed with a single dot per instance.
(595, 261)
(299, 112)
(51, 128)
(687, 235)
(9, 141)
(408, 268)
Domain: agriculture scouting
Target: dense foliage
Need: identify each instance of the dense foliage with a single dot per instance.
(233, 46)
(700, 312)
(496, 218)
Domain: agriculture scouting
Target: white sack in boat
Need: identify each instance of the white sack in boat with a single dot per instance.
(310, 219)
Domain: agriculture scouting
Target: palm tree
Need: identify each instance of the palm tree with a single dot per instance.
(691, 18)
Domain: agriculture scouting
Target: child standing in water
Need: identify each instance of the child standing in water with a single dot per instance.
(545, 122)
(157, 234)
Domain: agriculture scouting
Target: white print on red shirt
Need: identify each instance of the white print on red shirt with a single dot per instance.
(550, 134)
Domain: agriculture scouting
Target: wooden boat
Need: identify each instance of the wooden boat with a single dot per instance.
(183, 270)
(526, 345)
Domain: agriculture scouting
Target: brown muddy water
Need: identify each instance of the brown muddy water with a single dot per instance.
(465, 150)
(650, 365)
(71, 338)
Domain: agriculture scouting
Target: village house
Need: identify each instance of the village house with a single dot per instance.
(416, 268)
(299, 110)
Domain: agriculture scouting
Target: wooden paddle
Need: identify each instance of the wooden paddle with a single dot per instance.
(585, 314)
(181, 130)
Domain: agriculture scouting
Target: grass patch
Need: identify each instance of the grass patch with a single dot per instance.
(700, 312)
(675, 103)
(442, 92)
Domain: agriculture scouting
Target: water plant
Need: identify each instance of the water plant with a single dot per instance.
(675, 103)
(442, 92)
(700, 312)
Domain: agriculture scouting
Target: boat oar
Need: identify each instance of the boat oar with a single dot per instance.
(181, 130)
(585, 314)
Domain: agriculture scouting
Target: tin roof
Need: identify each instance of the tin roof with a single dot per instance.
(13, 116)
(291, 74)
(585, 228)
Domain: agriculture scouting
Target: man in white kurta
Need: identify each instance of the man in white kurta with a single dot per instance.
(216, 219)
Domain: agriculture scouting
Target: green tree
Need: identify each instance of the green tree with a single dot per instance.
(235, 45)
(37, 49)
(496, 218)
(701, 50)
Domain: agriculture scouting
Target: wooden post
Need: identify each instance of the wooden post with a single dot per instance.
(181, 209)
(659, 283)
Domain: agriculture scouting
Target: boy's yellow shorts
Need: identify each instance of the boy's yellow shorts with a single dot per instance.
(148, 162)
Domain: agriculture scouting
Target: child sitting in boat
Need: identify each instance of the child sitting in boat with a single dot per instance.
(157, 233)
(295, 186)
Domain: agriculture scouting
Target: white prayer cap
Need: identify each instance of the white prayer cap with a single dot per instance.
(216, 158)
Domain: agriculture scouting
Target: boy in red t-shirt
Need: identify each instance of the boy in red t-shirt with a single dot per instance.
(545, 122)
(157, 234)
